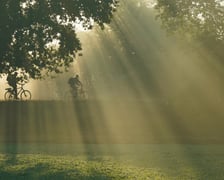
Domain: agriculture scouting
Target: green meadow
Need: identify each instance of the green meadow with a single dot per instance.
(75, 140)
(117, 161)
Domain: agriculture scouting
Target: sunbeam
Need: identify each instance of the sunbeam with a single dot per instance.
(149, 96)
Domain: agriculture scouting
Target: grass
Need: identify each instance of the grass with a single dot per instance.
(65, 167)
(127, 141)
(112, 162)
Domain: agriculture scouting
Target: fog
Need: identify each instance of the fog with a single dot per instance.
(133, 58)
(141, 84)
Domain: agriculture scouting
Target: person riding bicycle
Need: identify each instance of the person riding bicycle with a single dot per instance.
(75, 84)
(13, 79)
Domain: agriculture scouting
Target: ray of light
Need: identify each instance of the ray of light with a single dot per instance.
(143, 87)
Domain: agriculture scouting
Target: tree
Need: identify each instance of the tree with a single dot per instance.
(38, 37)
(197, 19)
(200, 21)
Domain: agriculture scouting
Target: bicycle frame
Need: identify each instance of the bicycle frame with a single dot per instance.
(80, 94)
(21, 92)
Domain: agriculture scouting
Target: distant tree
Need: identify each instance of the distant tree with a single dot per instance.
(196, 19)
(199, 21)
(38, 37)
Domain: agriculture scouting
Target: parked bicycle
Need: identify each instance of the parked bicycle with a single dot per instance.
(22, 93)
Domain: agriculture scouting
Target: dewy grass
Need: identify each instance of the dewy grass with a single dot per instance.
(66, 167)
(132, 162)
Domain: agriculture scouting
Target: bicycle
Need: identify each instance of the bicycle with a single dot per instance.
(79, 95)
(21, 92)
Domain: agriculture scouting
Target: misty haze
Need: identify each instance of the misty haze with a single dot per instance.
(153, 84)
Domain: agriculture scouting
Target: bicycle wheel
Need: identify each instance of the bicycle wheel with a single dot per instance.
(9, 95)
(69, 96)
(83, 95)
(25, 95)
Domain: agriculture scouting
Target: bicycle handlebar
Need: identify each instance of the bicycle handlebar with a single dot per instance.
(22, 83)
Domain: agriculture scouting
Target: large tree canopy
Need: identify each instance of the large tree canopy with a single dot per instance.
(197, 19)
(39, 36)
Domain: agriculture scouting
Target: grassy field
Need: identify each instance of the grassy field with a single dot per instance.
(118, 162)
(111, 140)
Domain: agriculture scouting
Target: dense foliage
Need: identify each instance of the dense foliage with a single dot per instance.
(197, 21)
(39, 37)
(194, 18)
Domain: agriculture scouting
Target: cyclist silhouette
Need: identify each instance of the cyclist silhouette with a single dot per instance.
(75, 84)
(13, 79)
